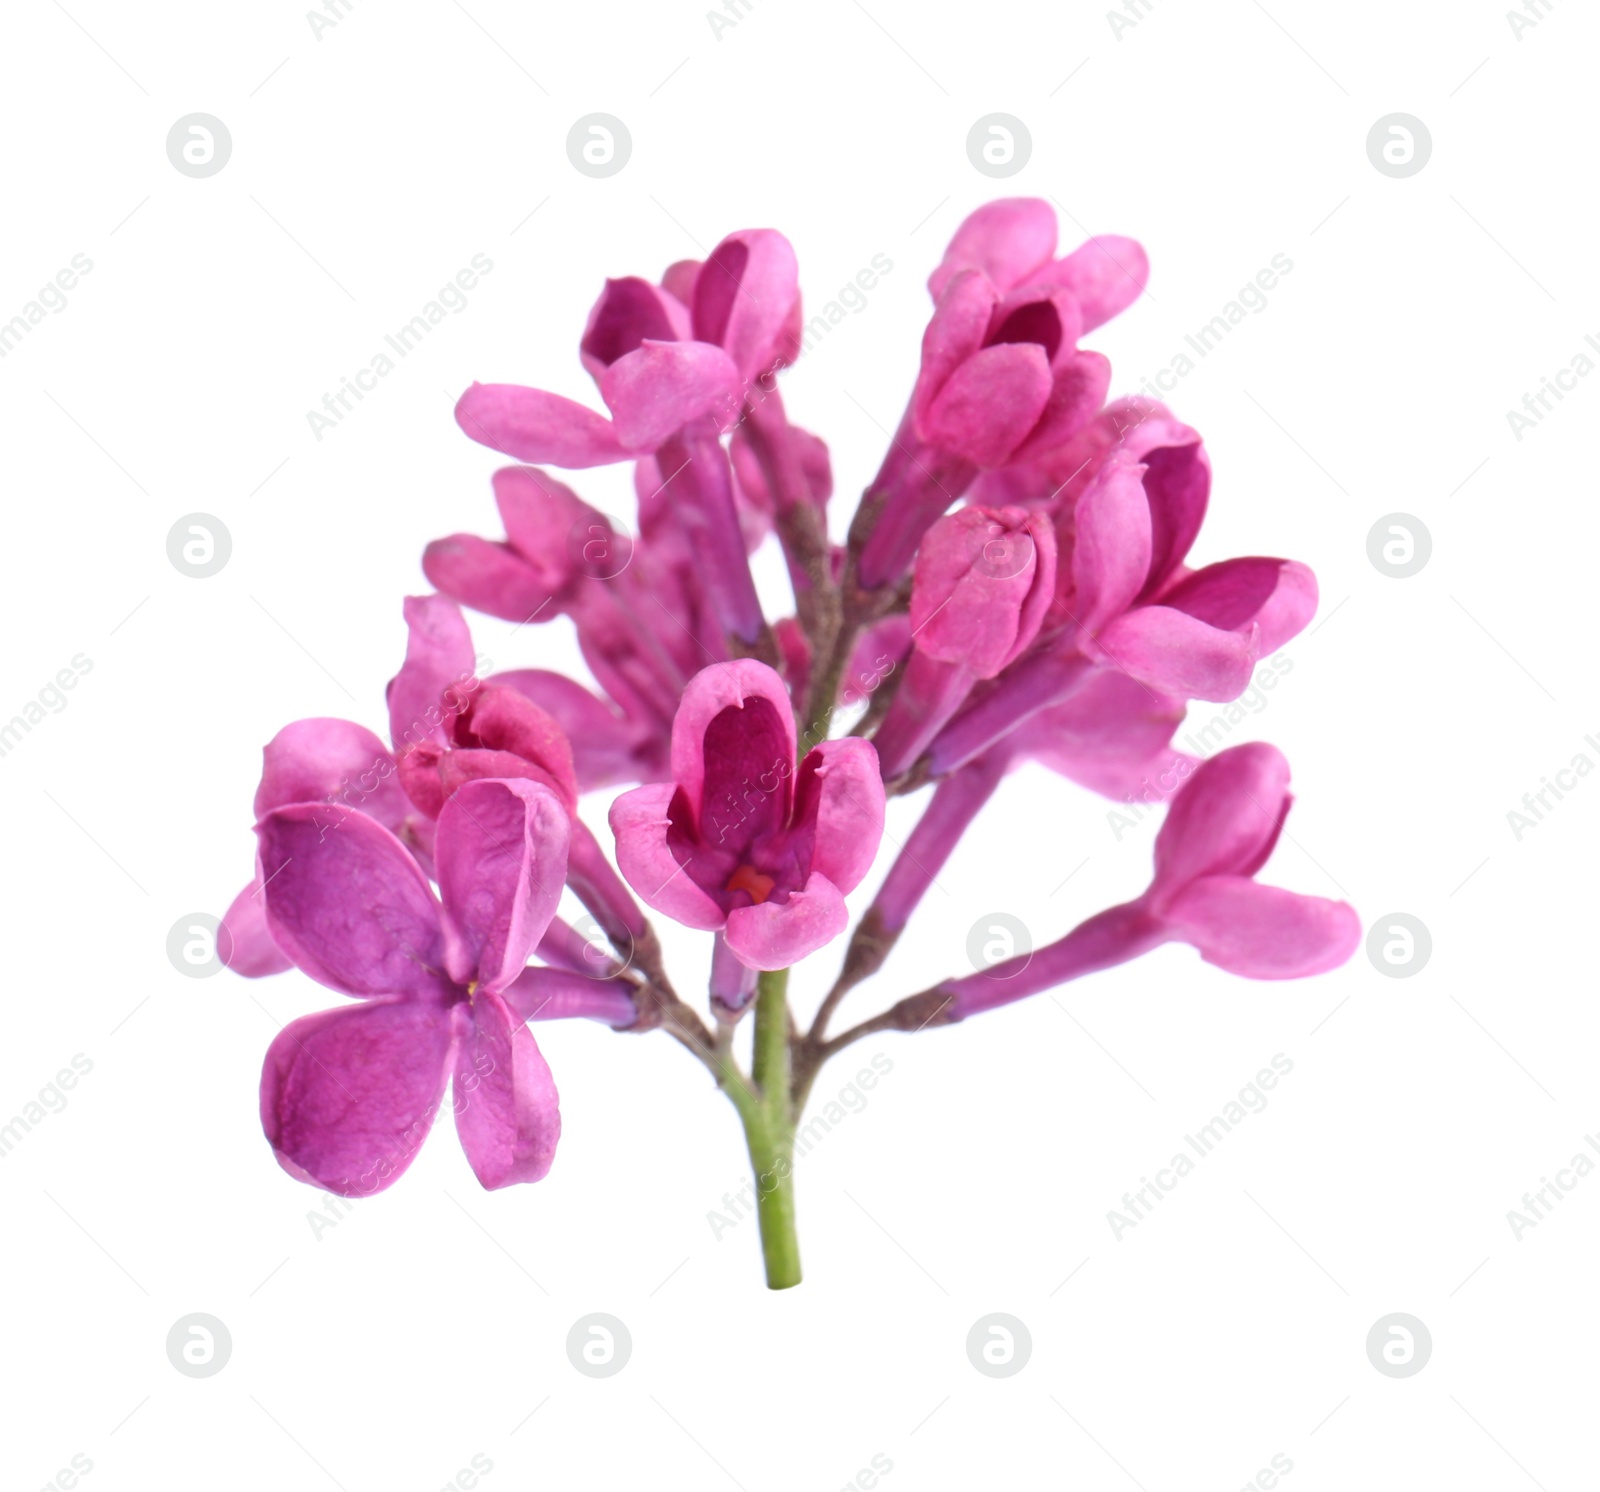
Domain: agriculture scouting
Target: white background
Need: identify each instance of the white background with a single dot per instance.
(427, 1324)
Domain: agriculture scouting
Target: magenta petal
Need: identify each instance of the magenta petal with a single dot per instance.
(1263, 932)
(1008, 240)
(1112, 736)
(774, 934)
(501, 856)
(508, 1115)
(439, 663)
(1227, 818)
(955, 333)
(840, 793)
(541, 516)
(678, 278)
(983, 581)
(1177, 481)
(744, 296)
(1079, 389)
(1106, 275)
(347, 902)
(607, 748)
(1039, 314)
(656, 390)
(539, 994)
(1277, 596)
(719, 687)
(488, 577)
(641, 822)
(1177, 653)
(989, 403)
(501, 719)
(1111, 548)
(349, 1095)
(535, 426)
(244, 943)
(628, 312)
(331, 761)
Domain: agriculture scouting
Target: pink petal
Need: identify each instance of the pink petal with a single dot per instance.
(535, 426)
(956, 332)
(1177, 653)
(347, 902)
(1277, 596)
(488, 577)
(678, 278)
(1111, 546)
(989, 404)
(541, 515)
(348, 1095)
(1078, 390)
(641, 821)
(879, 651)
(655, 391)
(1177, 481)
(434, 681)
(839, 798)
(243, 942)
(538, 994)
(1106, 275)
(1112, 736)
(1226, 819)
(331, 761)
(628, 312)
(501, 719)
(607, 747)
(719, 687)
(1008, 240)
(508, 1115)
(744, 296)
(983, 579)
(455, 769)
(1263, 932)
(1036, 313)
(774, 934)
(501, 859)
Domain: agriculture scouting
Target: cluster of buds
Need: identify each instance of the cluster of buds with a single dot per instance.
(1014, 587)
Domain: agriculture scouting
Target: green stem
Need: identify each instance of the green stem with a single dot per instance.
(769, 1125)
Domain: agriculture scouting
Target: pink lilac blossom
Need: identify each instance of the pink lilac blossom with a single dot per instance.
(1014, 591)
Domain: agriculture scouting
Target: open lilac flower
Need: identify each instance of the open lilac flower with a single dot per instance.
(316, 761)
(671, 388)
(740, 840)
(490, 730)
(349, 1095)
(1126, 601)
(1013, 593)
(1222, 826)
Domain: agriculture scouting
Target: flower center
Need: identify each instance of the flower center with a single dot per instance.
(748, 879)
